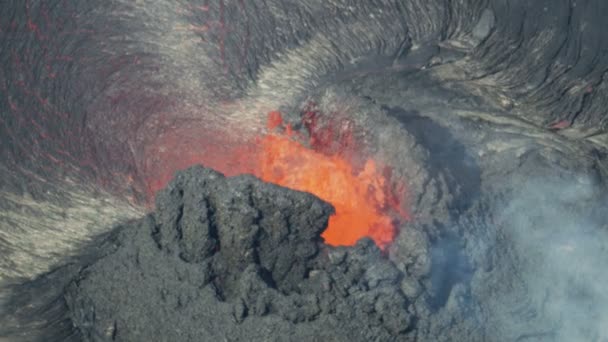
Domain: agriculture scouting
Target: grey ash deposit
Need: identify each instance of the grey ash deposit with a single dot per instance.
(237, 259)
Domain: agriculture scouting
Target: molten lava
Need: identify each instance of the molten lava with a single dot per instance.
(319, 163)
(359, 198)
(356, 197)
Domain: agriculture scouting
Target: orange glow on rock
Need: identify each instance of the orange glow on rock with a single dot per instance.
(359, 198)
(274, 120)
(365, 200)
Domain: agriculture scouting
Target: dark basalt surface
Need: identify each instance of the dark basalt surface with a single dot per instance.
(239, 260)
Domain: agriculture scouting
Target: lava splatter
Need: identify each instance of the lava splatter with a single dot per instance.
(318, 162)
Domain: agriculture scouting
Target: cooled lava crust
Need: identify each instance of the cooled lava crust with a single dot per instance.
(237, 259)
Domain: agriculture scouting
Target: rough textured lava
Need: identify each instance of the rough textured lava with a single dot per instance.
(236, 259)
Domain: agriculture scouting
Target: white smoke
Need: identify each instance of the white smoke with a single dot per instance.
(560, 250)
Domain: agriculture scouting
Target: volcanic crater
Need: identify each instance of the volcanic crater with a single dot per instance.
(303, 170)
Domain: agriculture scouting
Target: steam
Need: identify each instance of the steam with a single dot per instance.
(560, 249)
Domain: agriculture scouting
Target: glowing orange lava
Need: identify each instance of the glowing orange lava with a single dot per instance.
(365, 204)
(358, 197)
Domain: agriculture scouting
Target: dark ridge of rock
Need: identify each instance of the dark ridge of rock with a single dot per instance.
(237, 259)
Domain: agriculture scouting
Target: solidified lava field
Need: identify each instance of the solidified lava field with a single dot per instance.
(281, 170)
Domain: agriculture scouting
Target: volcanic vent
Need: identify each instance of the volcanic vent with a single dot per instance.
(323, 154)
(466, 139)
(240, 259)
(237, 257)
(363, 199)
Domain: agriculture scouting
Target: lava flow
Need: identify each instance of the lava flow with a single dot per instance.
(319, 163)
(359, 198)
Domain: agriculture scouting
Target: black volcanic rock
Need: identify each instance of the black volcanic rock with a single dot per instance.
(236, 259)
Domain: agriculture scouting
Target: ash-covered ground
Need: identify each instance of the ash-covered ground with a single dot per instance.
(490, 112)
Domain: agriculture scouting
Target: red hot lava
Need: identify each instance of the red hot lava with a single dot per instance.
(363, 197)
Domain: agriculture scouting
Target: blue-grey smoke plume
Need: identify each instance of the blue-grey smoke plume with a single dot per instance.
(558, 245)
